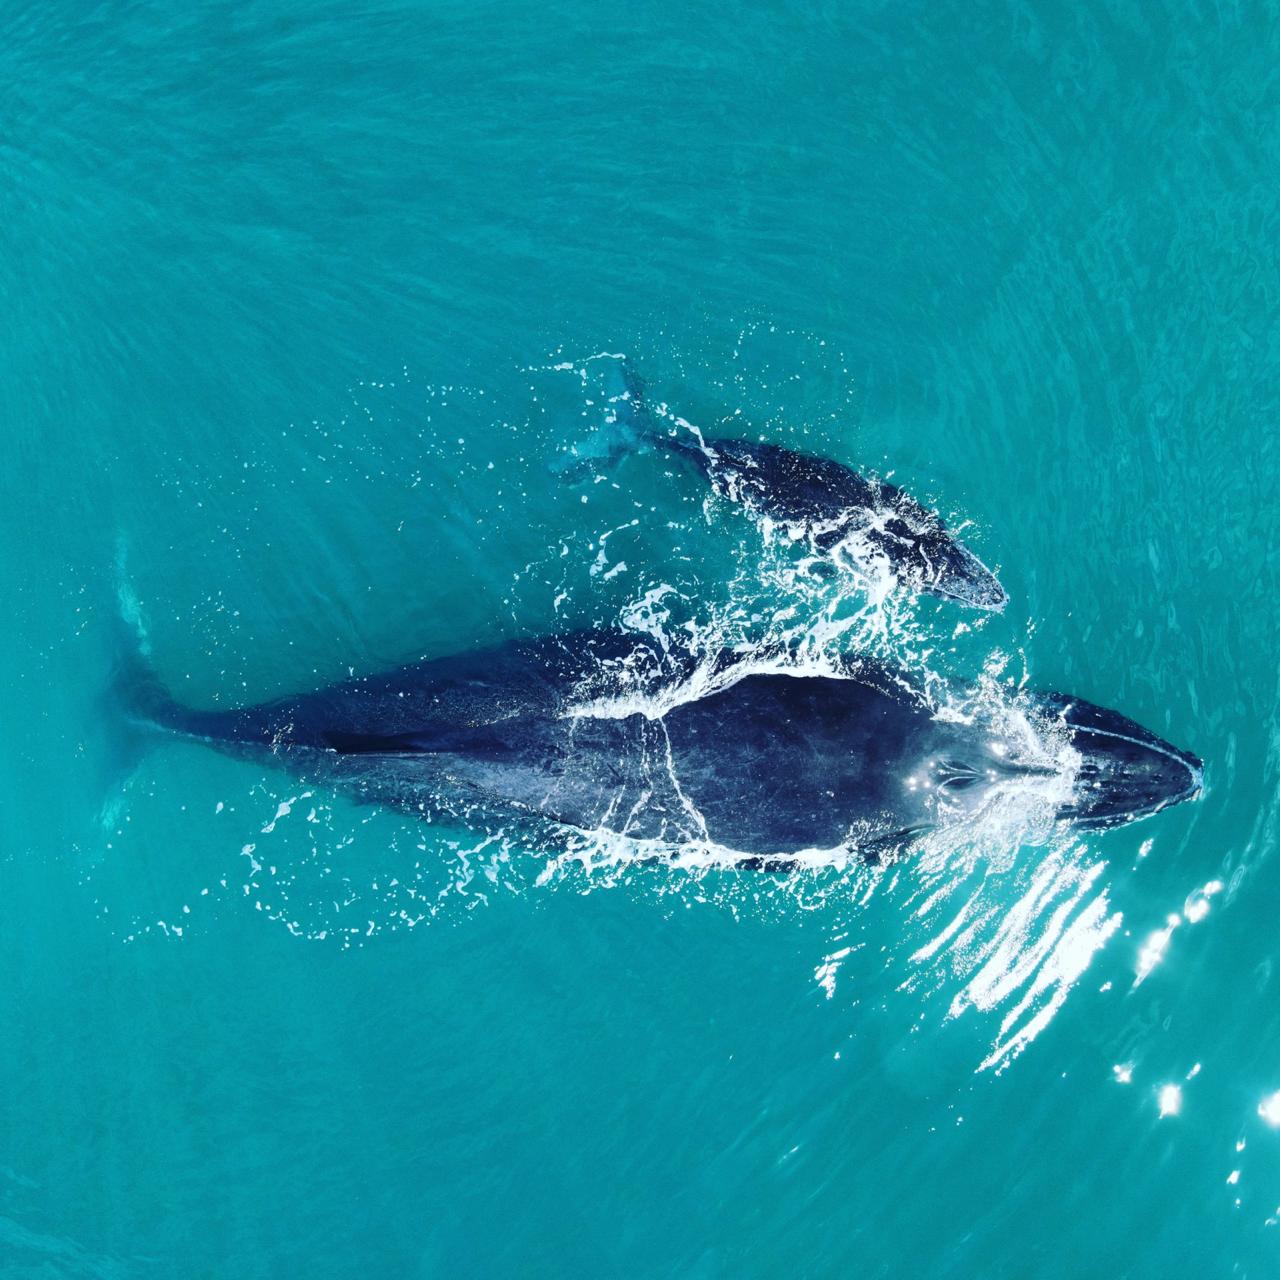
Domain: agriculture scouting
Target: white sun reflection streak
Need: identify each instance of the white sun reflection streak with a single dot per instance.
(1156, 944)
(1153, 949)
(1037, 951)
(825, 974)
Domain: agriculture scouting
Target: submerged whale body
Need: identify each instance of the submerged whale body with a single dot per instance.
(833, 508)
(766, 763)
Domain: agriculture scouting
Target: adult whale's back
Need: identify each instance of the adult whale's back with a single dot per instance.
(600, 730)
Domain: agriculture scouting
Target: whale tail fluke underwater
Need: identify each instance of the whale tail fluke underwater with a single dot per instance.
(134, 711)
(848, 519)
(624, 424)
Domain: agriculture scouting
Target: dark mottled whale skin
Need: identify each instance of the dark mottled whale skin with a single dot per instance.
(814, 498)
(769, 764)
(829, 503)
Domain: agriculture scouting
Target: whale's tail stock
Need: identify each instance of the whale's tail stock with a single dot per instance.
(623, 423)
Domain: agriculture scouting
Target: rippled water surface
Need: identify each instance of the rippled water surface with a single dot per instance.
(295, 304)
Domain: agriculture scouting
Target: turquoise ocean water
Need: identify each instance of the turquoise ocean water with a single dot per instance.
(284, 293)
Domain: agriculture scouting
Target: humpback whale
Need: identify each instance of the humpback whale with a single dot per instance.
(607, 731)
(833, 508)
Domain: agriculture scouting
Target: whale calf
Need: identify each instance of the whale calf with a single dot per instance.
(829, 505)
(763, 763)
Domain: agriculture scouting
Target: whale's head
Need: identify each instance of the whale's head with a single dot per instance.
(952, 571)
(1112, 772)
(1125, 772)
(927, 553)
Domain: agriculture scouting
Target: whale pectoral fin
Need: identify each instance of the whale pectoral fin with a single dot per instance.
(777, 864)
(874, 852)
(886, 848)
